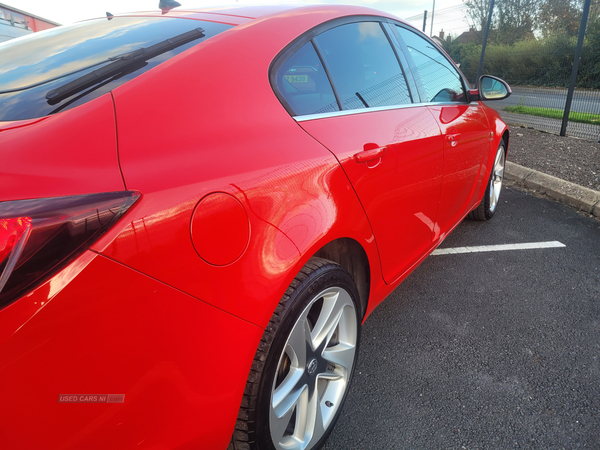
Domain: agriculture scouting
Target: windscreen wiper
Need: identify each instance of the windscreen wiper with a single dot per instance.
(39, 83)
(120, 63)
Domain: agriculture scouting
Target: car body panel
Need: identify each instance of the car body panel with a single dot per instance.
(193, 15)
(466, 145)
(144, 340)
(74, 152)
(399, 191)
(175, 170)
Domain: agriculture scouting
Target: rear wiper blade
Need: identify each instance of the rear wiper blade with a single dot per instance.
(64, 75)
(119, 63)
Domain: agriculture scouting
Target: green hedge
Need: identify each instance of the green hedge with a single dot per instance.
(536, 62)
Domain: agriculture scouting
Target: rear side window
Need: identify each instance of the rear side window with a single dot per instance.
(441, 81)
(37, 64)
(303, 83)
(363, 66)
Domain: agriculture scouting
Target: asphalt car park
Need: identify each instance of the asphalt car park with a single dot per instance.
(487, 350)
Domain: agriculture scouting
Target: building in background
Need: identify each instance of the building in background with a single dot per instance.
(15, 23)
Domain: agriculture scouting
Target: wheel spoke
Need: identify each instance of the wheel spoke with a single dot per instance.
(297, 343)
(287, 393)
(332, 376)
(279, 424)
(329, 319)
(319, 424)
(341, 354)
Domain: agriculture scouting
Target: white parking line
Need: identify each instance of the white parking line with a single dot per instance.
(497, 248)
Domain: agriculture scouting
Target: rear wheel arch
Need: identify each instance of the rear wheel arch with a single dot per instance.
(349, 254)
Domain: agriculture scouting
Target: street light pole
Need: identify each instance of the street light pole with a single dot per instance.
(485, 38)
(432, 14)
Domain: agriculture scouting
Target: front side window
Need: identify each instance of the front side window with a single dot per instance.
(441, 81)
(363, 66)
(42, 63)
(304, 85)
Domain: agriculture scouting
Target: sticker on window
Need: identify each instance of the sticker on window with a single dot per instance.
(296, 78)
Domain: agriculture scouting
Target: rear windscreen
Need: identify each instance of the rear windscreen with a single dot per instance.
(35, 65)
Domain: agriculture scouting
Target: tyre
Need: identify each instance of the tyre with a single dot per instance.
(489, 202)
(304, 364)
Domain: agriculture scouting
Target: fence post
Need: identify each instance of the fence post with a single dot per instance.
(584, 18)
(424, 20)
(485, 38)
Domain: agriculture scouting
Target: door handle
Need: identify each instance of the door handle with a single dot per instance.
(453, 139)
(370, 155)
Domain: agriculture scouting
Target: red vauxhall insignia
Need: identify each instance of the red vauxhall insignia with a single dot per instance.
(199, 208)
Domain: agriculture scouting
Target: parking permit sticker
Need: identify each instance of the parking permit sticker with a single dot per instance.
(296, 78)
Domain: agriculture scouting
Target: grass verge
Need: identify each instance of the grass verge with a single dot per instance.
(580, 117)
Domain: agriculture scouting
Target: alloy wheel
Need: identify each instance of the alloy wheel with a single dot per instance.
(497, 177)
(314, 370)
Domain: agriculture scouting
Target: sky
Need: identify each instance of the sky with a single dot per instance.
(68, 11)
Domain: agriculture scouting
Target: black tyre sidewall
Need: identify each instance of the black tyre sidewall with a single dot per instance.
(483, 211)
(325, 277)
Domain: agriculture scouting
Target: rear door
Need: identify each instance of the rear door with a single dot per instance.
(390, 148)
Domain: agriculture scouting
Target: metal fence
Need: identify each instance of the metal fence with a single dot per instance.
(538, 68)
(586, 103)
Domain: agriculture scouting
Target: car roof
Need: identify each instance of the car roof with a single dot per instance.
(240, 14)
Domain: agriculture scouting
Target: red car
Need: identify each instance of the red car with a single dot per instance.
(199, 208)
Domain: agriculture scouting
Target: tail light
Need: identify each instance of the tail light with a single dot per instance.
(38, 237)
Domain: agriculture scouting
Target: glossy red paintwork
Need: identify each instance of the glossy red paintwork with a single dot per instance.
(145, 340)
(168, 307)
(224, 219)
(466, 145)
(408, 174)
(71, 153)
(292, 188)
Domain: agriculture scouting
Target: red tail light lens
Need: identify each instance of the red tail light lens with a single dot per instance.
(38, 237)
(12, 231)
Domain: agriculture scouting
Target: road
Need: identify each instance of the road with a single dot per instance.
(491, 350)
(583, 101)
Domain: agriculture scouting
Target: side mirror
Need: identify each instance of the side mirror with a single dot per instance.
(490, 88)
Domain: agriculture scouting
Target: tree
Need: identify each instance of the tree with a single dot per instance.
(512, 20)
(477, 12)
(560, 17)
(516, 20)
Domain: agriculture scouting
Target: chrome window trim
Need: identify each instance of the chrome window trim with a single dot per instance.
(348, 112)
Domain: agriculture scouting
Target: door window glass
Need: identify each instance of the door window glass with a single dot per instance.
(441, 81)
(304, 85)
(363, 66)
